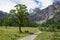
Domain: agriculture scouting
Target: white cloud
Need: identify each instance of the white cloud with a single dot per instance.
(29, 3)
(6, 5)
(45, 3)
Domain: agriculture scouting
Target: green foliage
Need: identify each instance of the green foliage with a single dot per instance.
(41, 28)
(56, 36)
(32, 24)
(48, 36)
(44, 36)
(1, 21)
(21, 14)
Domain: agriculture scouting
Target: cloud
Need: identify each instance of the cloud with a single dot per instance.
(43, 3)
(29, 3)
(15, 1)
(35, 3)
(6, 5)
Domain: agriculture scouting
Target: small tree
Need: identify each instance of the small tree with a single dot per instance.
(1, 21)
(7, 20)
(21, 14)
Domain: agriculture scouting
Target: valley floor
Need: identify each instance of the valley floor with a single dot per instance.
(12, 33)
(48, 36)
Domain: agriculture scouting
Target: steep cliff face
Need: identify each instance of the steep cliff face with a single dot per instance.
(47, 13)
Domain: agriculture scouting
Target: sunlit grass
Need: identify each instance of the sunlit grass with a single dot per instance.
(48, 36)
(11, 33)
(44, 36)
(30, 29)
(57, 36)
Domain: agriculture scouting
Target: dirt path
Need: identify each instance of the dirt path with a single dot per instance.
(31, 37)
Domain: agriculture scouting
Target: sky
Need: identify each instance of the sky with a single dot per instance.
(7, 5)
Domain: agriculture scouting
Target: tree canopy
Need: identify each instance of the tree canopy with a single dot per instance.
(21, 15)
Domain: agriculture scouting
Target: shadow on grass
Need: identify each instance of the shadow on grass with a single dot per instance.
(26, 32)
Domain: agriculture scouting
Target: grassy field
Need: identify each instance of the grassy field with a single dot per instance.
(57, 36)
(48, 36)
(12, 33)
(44, 36)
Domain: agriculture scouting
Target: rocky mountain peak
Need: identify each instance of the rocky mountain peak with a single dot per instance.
(47, 13)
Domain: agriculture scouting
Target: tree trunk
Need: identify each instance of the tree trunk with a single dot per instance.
(20, 29)
(6, 27)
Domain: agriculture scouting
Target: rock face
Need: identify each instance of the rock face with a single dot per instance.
(47, 13)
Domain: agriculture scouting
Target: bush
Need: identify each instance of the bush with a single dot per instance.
(41, 28)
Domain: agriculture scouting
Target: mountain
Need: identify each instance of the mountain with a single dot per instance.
(34, 11)
(3, 14)
(47, 13)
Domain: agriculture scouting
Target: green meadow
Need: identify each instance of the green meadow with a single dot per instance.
(12, 33)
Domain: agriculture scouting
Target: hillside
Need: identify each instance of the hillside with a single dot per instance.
(47, 13)
(3, 14)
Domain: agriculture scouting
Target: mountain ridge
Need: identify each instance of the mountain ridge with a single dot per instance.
(3, 14)
(47, 13)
